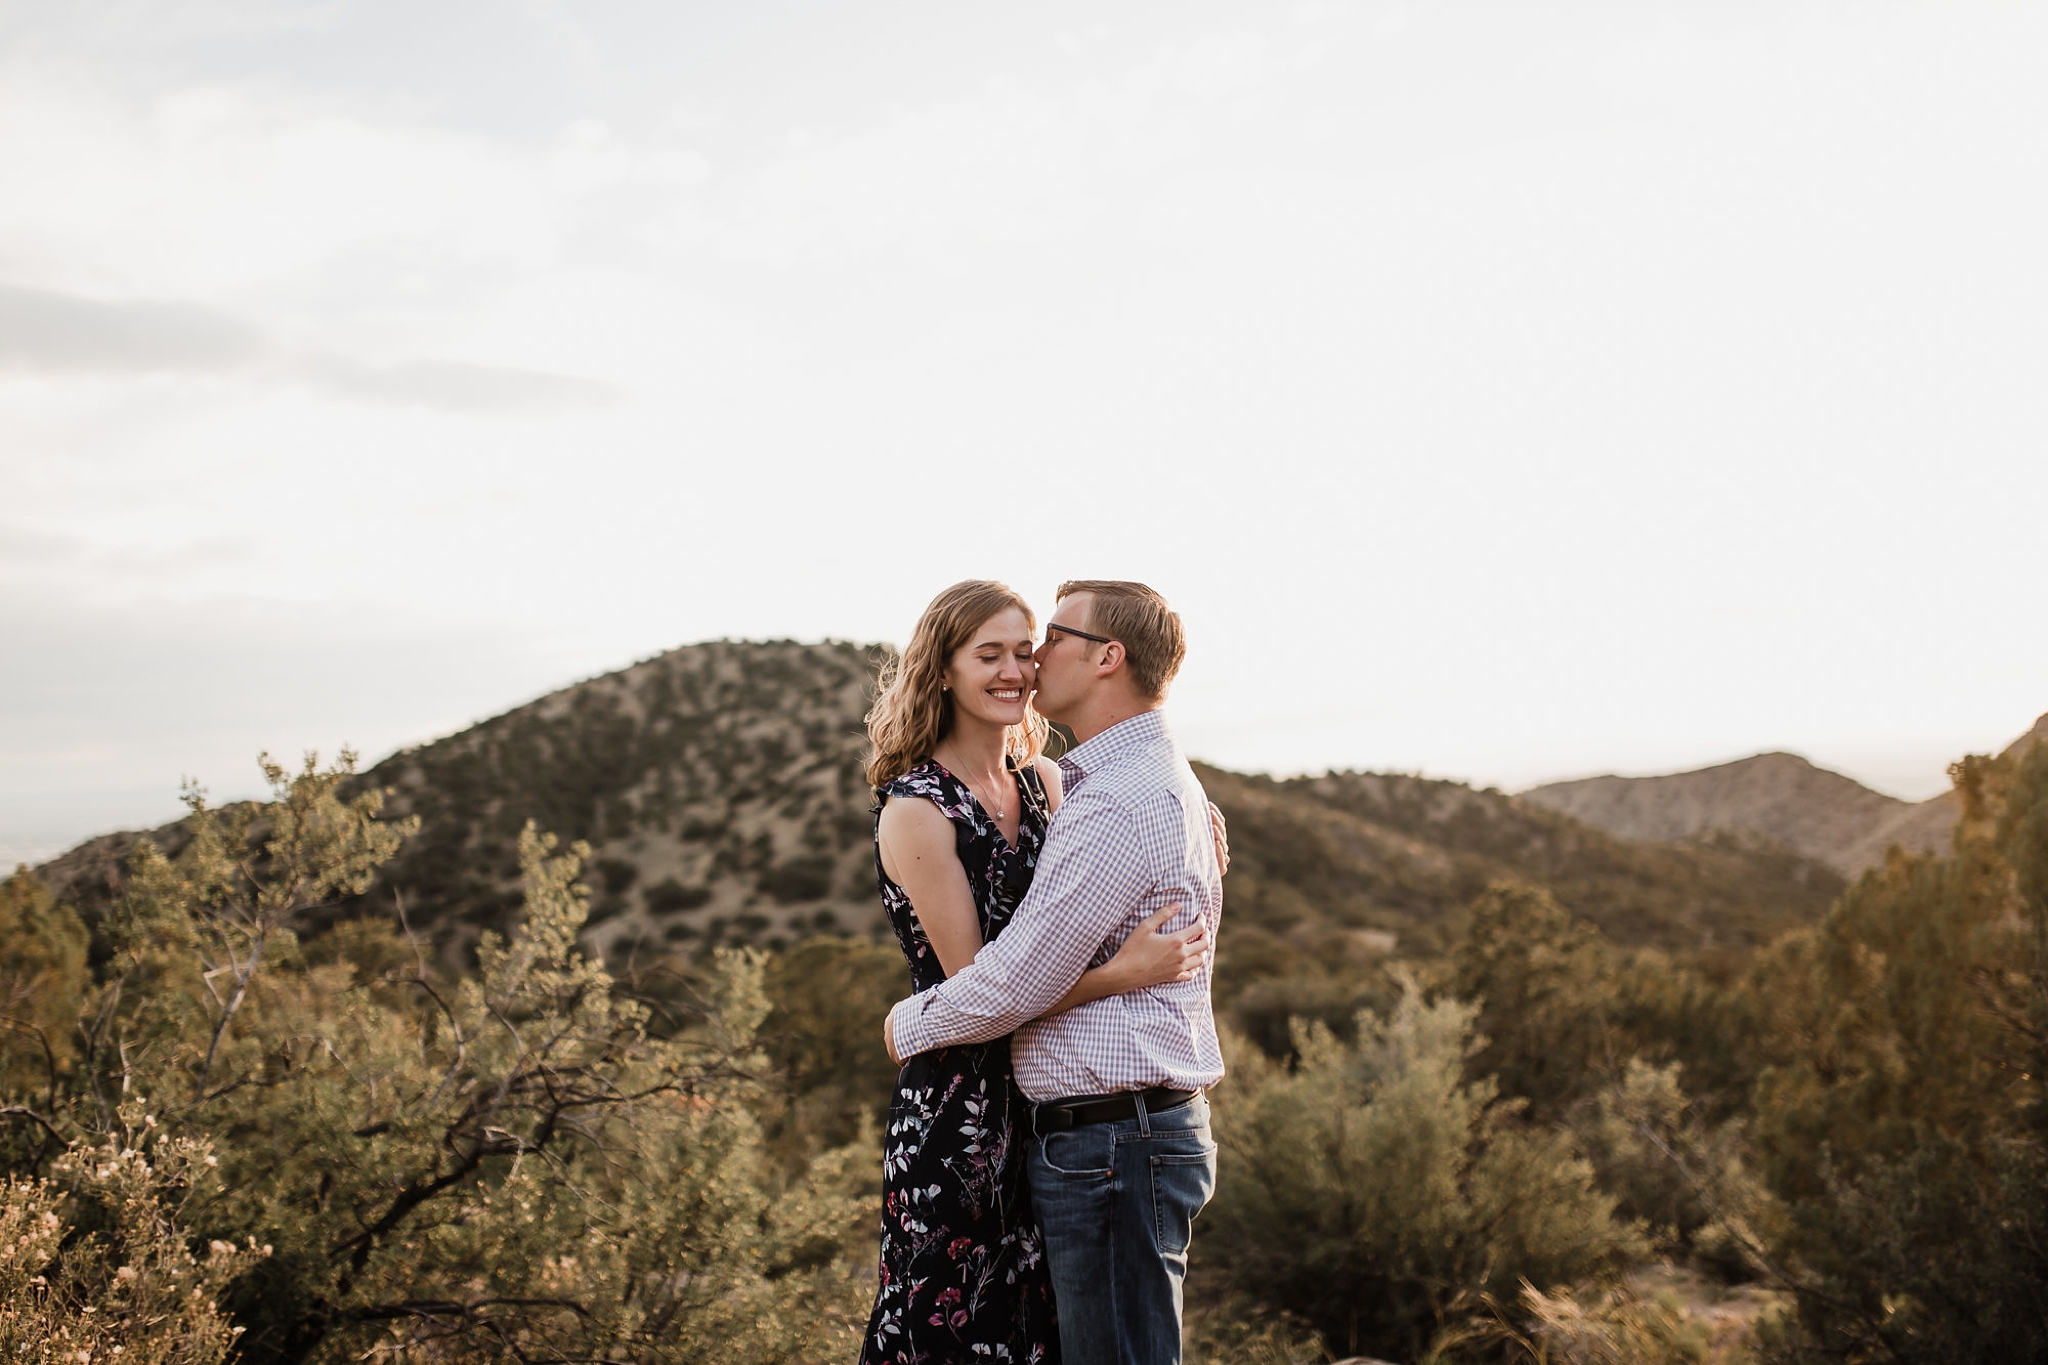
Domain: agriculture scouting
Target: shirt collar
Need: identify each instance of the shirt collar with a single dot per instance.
(1146, 727)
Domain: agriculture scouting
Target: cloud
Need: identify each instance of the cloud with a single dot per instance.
(42, 332)
(1013, 164)
(23, 546)
(62, 334)
(454, 387)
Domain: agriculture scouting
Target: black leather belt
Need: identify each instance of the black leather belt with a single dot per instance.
(1056, 1116)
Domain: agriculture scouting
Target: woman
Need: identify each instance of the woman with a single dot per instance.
(963, 795)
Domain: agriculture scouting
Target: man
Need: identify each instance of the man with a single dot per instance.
(1121, 1158)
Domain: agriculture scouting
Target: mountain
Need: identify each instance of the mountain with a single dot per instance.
(719, 786)
(1779, 797)
(1822, 814)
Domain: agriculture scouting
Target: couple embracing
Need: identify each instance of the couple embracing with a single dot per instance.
(1048, 1144)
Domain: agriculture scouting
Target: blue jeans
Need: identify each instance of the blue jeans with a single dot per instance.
(1117, 1201)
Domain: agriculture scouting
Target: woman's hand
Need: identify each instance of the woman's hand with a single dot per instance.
(1153, 957)
(1221, 834)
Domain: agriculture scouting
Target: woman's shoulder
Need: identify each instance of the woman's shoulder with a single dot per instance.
(925, 779)
(928, 782)
(928, 806)
(1047, 772)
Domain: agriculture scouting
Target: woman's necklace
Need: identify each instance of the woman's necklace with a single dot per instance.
(995, 803)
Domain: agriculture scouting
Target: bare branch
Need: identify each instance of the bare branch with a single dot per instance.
(49, 1056)
(227, 1014)
(16, 1111)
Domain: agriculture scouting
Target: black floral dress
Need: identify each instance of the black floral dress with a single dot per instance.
(963, 1273)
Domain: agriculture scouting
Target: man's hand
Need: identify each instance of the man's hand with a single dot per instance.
(889, 1036)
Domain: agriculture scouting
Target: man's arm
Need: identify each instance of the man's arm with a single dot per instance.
(1090, 878)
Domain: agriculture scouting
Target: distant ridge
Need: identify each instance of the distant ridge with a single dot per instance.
(1777, 796)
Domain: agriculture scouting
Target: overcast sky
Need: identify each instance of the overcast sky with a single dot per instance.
(1503, 391)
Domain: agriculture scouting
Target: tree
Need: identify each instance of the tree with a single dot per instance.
(1544, 984)
(1905, 1124)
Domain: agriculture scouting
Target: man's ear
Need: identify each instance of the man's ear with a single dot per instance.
(1112, 659)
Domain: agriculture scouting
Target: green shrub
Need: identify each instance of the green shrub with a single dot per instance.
(43, 978)
(95, 1263)
(669, 896)
(806, 878)
(1374, 1191)
(616, 875)
(1687, 1180)
(504, 1165)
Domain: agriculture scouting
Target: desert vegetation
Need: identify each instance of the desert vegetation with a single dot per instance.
(1503, 1088)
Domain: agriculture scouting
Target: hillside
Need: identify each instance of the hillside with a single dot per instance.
(1400, 856)
(719, 786)
(1779, 797)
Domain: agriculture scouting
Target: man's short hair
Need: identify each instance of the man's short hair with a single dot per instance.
(1140, 620)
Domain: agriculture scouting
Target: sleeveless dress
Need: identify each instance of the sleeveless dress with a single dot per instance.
(963, 1274)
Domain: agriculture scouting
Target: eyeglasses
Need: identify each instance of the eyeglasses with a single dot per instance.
(1051, 626)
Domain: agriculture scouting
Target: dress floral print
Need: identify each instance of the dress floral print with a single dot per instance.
(963, 1275)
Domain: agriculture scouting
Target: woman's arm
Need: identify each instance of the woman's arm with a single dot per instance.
(918, 853)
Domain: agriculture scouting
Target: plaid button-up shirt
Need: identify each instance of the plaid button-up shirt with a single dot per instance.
(1131, 835)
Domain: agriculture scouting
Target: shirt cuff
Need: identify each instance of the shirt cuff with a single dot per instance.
(909, 1028)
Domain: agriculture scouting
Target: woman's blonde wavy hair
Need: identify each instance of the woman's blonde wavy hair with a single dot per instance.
(912, 713)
